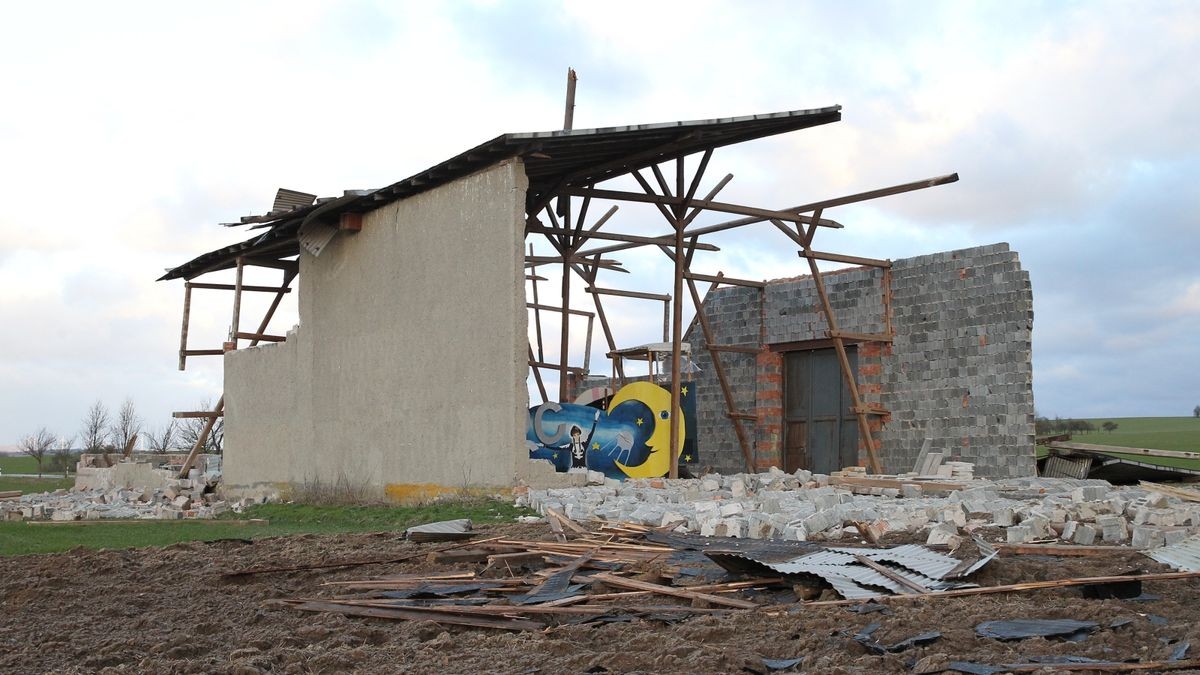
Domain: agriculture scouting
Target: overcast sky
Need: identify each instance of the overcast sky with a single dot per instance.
(130, 130)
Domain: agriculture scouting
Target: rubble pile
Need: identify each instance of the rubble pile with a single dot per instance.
(805, 507)
(128, 490)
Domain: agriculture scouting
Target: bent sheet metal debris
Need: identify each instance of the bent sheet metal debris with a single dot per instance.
(866, 572)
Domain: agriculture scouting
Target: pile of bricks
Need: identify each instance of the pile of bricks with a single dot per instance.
(162, 496)
(805, 506)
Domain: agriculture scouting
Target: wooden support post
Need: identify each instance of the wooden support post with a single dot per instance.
(730, 409)
(537, 376)
(564, 205)
(677, 326)
(840, 347)
(183, 333)
(618, 367)
(587, 345)
(202, 439)
(537, 319)
(237, 303)
(569, 115)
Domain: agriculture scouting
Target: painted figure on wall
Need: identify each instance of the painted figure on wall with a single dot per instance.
(579, 447)
(630, 431)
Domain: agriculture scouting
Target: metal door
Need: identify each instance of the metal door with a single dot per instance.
(820, 432)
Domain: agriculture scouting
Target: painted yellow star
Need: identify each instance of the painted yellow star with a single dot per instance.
(683, 391)
(595, 446)
(556, 455)
(639, 421)
(687, 458)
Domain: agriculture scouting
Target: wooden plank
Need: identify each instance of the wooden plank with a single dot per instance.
(553, 366)
(852, 259)
(204, 352)
(859, 337)
(724, 207)
(129, 445)
(622, 582)
(233, 287)
(261, 337)
(1186, 495)
(418, 614)
(551, 308)
(195, 414)
(10, 493)
(612, 236)
(1016, 588)
(451, 557)
(565, 521)
(1089, 447)
(352, 563)
(557, 528)
(1062, 549)
(629, 294)
(722, 279)
(893, 483)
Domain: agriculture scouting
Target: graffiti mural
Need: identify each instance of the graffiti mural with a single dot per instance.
(625, 435)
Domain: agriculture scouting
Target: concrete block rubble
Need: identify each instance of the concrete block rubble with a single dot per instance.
(815, 507)
(128, 490)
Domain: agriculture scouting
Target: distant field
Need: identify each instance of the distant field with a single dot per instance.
(283, 519)
(28, 485)
(1158, 433)
(26, 464)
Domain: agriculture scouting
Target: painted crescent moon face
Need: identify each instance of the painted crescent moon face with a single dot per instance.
(658, 400)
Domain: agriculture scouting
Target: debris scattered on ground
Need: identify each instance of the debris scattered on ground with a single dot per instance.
(445, 530)
(1019, 629)
(127, 490)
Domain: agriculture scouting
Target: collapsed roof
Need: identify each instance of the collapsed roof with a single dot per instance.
(554, 160)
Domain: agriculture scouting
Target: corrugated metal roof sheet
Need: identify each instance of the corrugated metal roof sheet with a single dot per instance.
(1183, 556)
(839, 567)
(553, 160)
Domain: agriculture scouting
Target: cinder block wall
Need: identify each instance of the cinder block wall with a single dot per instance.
(959, 371)
(407, 373)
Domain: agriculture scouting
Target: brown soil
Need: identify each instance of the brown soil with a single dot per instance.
(170, 610)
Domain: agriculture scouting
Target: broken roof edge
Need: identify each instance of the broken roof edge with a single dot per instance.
(722, 131)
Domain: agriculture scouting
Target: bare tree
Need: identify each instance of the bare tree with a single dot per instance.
(36, 446)
(1196, 411)
(163, 439)
(127, 425)
(62, 455)
(94, 433)
(192, 427)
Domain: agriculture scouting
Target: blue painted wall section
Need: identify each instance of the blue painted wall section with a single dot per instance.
(625, 436)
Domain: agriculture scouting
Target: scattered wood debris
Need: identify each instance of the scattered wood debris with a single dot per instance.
(625, 572)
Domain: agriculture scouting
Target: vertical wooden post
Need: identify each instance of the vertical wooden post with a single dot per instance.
(730, 408)
(863, 426)
(235, 325)
(569, 116)
(677, 324)
(564, 344)
(537, 314)
(183, 333)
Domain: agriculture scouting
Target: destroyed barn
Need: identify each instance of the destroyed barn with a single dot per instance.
(422, 322)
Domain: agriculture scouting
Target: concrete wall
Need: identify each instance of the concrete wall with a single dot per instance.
(958, 372)
(407, 372)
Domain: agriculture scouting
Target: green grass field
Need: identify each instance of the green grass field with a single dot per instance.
(27, 485)
(19, 464)
(1158, 433)
(22, 538)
